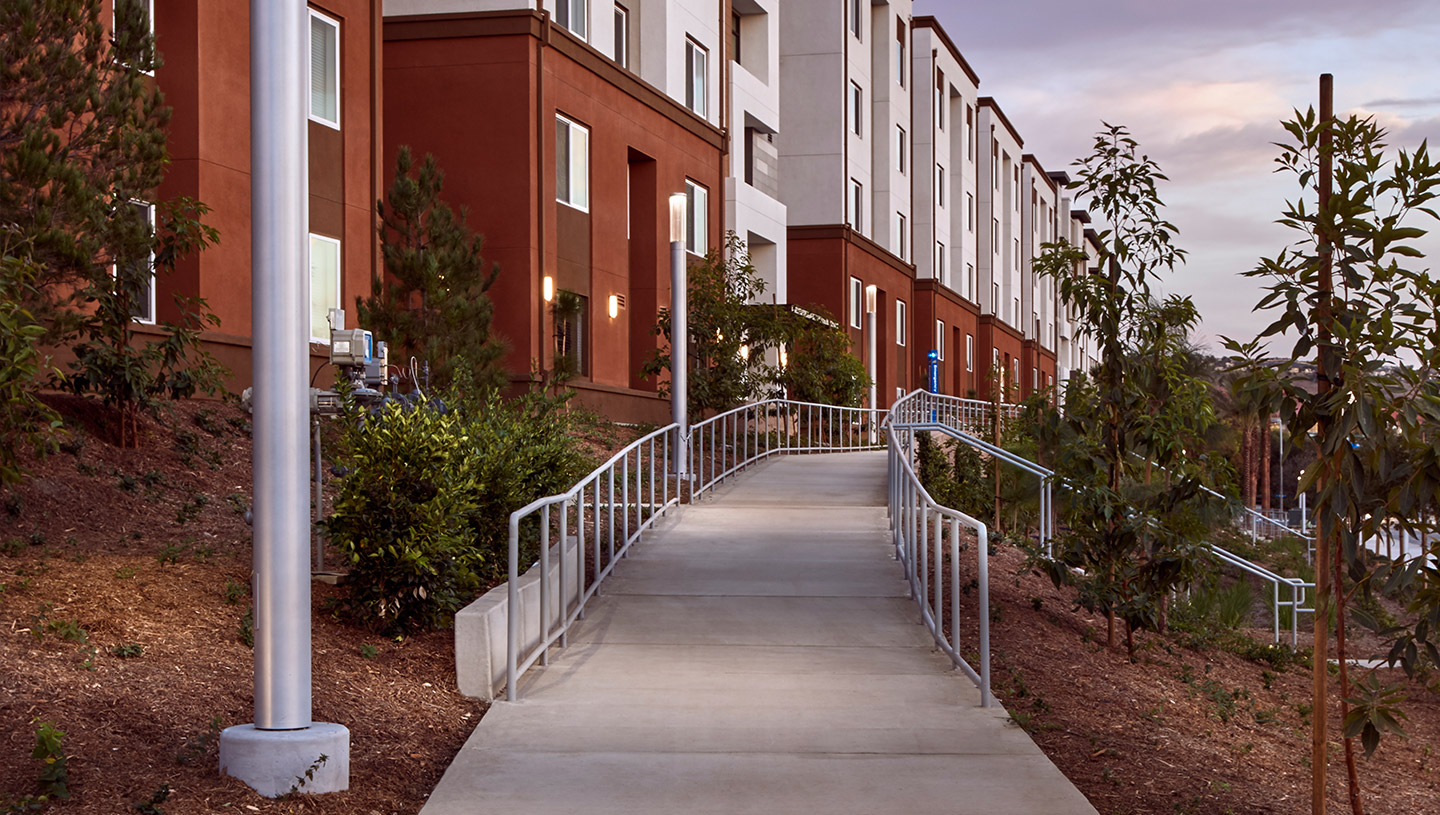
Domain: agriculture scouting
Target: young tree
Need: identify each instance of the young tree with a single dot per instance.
(1132, 542)
(729, 336)
(732, 339)
(431, 301)
(1378, 407)
(82, 152)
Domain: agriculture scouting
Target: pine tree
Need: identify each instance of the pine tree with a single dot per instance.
(431, 303)
(82, 153)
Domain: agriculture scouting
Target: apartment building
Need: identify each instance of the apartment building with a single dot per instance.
(1038, 226)
(946, 158)
(564, 131)
(564, 127)
(205, 76)
(752, 184)
(846, 87)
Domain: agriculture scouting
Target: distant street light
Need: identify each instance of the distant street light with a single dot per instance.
(679, 335)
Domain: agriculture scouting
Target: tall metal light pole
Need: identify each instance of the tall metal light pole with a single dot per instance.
(870, 294)
(679, 336)
(283, 743)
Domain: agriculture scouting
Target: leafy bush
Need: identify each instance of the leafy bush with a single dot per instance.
(422, 514)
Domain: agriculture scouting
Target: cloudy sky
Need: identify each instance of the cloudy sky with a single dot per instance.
(1203, 86)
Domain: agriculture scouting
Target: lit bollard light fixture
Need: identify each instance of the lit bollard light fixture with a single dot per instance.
(283, 743)
(679, 336)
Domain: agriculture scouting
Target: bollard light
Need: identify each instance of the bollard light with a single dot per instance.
(679, 201)
(870, 299)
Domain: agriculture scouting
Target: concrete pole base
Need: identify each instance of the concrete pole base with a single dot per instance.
(274, 762)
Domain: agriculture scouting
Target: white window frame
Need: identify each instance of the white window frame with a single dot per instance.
(857, 109)
(335, 68)
(940, 340)
(321, 334)
(697, 77)
(900, 318)
(856, 205)
(697, 218)
(900, 156)
(574, 16)
(578, 147)
(857, 19)
(857, 303)
(622, 36)
(900, 53)
(149, 263)
(149, 19)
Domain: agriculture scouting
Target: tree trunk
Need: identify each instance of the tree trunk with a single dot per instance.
(1265, 488)
(1351, 774)
(1247, 465)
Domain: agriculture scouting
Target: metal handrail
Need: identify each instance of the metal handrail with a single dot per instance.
(913, 515)
(596, 493)
(926, 411)
(728, 442)
(1297, 590)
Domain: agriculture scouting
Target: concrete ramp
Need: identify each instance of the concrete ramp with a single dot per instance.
(759, 655)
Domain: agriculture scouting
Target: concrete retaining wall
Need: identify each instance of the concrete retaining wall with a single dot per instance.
(480, 628)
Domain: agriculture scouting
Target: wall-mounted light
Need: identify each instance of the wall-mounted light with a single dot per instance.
(614, 305)
(784, 357)
(678, 205)
(870, 299)
(745, 352)
(547, 288)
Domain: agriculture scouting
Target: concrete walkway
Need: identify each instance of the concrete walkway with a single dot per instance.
(758, 656)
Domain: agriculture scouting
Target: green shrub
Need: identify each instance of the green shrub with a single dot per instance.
(422, 514)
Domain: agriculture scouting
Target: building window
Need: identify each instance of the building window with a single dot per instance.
(622, 36)
(970, 352)
(572, 163)
(572, 15)
(119, 21)
(857, 204)
(900, 52)
(142, 304)
(940, 185)
(856, 20)
(995, 297)
(994, 235)
(902, 237)
(900, 157)
(940, 98)
(995, 163)
(969, 132)
(571, 335)
(940, 340)
(972, 282)
(900, 317)
(696, 62)
(324, 285)
(857, 302)
(324, 70)
(940, 260)
(857, 110)
(1015, 372)
(697, 218)
(970, 212)
(995, 363)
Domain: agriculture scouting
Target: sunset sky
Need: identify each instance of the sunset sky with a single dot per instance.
(1203, 86)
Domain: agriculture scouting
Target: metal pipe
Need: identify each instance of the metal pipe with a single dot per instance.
(679, 346)
(319, 512)
(279, 217)
(545, 586)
